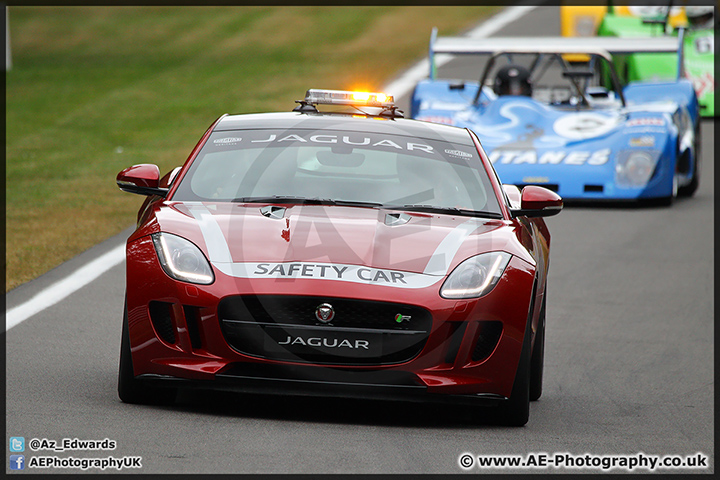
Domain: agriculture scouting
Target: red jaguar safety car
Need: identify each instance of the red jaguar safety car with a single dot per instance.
(337, 253)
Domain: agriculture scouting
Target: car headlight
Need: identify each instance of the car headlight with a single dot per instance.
(636, 168)
(476, 276)
(182, 259)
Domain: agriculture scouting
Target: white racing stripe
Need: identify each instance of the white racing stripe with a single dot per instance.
(84, 275)
(217, 246)
(440, 261)
(65, 287)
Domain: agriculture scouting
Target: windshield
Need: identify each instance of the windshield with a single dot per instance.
(339, 167)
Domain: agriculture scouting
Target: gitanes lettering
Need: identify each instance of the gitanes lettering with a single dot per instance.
(532, 157)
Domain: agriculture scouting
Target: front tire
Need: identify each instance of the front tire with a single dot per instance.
(515, 411)
(690, 189)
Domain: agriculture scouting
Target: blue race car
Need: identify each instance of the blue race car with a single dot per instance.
(545, 118)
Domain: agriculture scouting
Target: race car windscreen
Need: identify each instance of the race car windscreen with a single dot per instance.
(390, 170)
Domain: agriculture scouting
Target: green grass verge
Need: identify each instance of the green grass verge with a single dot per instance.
(96, 89)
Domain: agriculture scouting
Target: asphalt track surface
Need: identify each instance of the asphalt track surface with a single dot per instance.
(628, 365)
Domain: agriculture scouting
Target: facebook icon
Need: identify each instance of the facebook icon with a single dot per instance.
(17, 462)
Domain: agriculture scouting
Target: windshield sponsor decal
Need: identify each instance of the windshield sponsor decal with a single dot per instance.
(327, 271)
(531, 157)
(325, 139)
(227, 141)
(458, 154)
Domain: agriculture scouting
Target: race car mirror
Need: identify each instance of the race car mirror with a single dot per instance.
(142, 179)
(538, 202)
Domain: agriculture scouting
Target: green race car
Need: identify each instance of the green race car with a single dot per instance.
(698, 53)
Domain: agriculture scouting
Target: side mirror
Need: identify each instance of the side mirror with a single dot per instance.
(143, 179)
(538, 202)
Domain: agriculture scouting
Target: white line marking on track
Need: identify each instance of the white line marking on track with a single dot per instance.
(86, 274)
(65, 287)
(420, 70)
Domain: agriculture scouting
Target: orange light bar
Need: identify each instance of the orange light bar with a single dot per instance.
(344, 97)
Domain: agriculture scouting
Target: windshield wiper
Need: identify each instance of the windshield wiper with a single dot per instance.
(306, 201)
(446, 210)
(282, 199)
(353, 203)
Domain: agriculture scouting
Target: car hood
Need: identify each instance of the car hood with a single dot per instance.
(238, 238)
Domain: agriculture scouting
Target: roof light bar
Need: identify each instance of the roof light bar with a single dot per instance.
(343, 97)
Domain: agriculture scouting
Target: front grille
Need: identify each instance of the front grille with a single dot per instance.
(284, 327)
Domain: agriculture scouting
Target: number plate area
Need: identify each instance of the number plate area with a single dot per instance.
(324, 341)
(359, 333)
